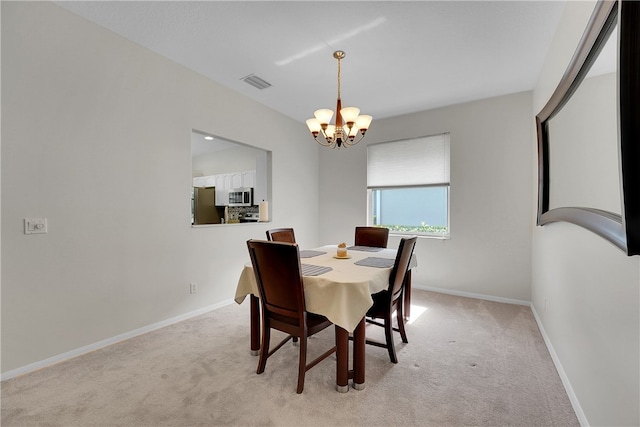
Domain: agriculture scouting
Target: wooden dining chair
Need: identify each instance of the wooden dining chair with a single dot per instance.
(278, 273)
(391, 299)
(281, 235)
(372, 236)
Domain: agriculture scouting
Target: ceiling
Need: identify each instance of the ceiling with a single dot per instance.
(401, 56)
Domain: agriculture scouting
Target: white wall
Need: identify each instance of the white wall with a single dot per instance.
(585, 291)
(489, 253)
(96, 137)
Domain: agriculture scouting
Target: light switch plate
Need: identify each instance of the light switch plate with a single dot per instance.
(35, 225)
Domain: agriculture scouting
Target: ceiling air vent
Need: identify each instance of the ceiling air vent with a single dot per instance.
(256, 81)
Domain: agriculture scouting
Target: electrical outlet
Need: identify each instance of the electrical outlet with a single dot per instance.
(193, 288)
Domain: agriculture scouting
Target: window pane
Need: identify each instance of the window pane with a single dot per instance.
(415, 209)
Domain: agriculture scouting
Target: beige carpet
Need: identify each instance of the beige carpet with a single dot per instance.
(468, 362)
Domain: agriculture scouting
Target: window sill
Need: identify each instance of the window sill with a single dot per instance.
(421, 235)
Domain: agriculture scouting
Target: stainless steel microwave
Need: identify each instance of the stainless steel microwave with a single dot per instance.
(241, 197)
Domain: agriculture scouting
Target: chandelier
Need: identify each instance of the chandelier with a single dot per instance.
(349, 128)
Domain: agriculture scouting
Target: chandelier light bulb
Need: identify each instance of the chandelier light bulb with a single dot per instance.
(353, 131)
(314, 126)
(330, 132)
(349, 114)
(363, 122)
(323, 116)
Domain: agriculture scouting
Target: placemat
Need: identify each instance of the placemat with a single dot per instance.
(310, 254)
(365, 248)
(314, 270)
(376, 262)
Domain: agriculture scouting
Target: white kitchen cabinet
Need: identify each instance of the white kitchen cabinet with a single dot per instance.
(222, 192)
(260, 179)
(249, 179)
(220, 181)
(199, 181)
(236, 180)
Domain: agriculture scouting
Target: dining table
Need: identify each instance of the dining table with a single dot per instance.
(340, 289)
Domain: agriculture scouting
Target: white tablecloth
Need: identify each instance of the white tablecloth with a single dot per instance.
(343, 295)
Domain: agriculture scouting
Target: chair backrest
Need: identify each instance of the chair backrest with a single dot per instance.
(281, 235)
(276, 266)
(372, 236)
(401, 265)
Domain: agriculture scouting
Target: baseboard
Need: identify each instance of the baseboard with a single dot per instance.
(472, 295)
(563, 375)
(107, 342)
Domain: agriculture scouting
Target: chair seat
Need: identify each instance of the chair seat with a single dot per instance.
(315, 323)
(380, 304)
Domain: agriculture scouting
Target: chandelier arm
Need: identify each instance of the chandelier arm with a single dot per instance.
(358, 138)
(329, 140)
(324, 143)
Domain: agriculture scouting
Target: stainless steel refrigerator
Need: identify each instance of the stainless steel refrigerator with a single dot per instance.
(204, 206)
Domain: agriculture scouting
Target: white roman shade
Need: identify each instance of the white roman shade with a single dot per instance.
(410, 162)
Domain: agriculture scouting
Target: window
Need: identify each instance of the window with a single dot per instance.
(408, 186)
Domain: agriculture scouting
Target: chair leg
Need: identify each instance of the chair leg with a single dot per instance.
(302, 364)
(400, 316)
(264, 348)
(388, 333)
